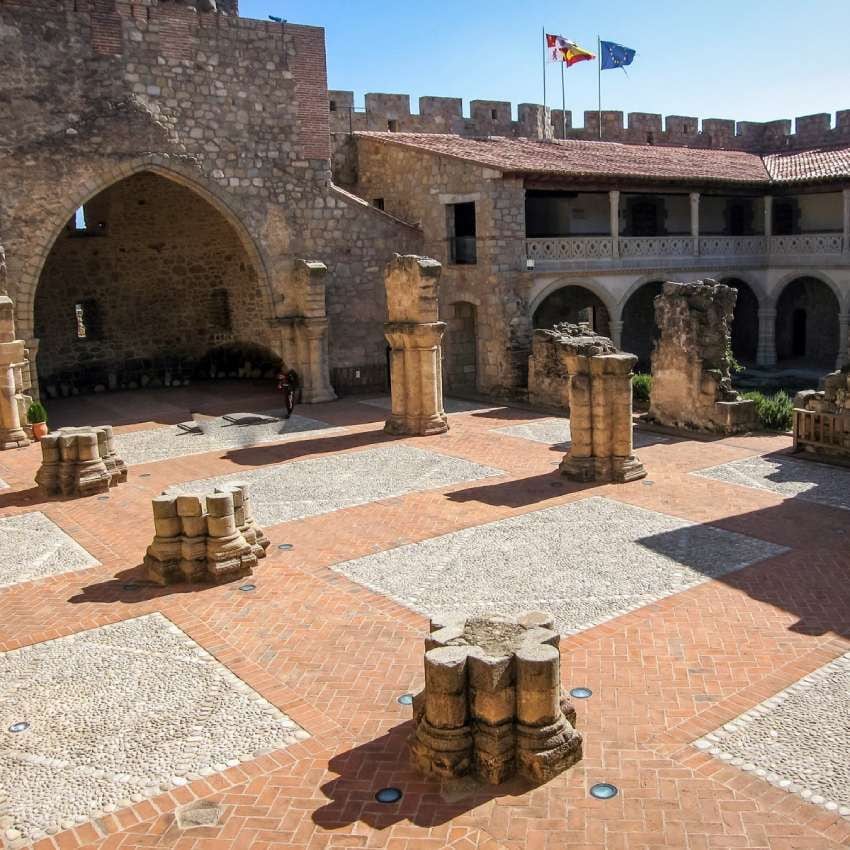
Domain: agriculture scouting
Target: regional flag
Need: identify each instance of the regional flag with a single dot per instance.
(615, 55)
(562, 49)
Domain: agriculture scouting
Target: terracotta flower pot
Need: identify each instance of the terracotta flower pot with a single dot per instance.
(39, 430)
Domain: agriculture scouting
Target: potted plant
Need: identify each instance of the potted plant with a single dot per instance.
(37, 417)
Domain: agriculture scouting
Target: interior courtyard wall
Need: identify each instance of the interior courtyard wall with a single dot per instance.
(152, 275)
(235, 108)
(418, 187)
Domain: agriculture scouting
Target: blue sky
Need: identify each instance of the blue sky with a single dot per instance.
(743, 59)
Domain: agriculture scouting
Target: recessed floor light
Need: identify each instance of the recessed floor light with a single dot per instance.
(647, 483)
(21, 726)
(388, 795)
(581, 693)
(405, 699)
(603, 791)
(145, 475)
(103, 498)
(285, 547)
(247, 588)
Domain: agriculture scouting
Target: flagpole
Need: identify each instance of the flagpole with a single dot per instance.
(599, 66)
(563, 101)
(543, 30)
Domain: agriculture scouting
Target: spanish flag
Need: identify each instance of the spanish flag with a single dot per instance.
(564, 50)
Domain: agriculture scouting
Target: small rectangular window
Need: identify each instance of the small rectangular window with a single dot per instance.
(461, 224)
(87, 319)
(332, 106)
(378, 203)
(392, 125)
(494, 114)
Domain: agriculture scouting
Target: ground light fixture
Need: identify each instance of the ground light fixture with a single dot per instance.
(405, 699)
(20, 726)
(285, 547)
(581, 693)
(388, 795)
(247, 588)
(603, 791)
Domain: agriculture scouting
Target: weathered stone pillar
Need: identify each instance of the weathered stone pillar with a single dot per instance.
(691, 382)
(843, 357)
(492, 705)
(766, 351)
(614, 222)
(304, 333)
(695, 222)
(846, 227)
(415, 334)
(12, 356)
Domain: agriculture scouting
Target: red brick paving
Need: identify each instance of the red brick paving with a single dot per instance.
(335, 656)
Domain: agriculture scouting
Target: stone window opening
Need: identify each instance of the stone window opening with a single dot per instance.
(378, 203)
(332, 106)
(87, 319)
(494, 114)
(82, 225)
(221, 318)
(462, 233)
(392, 125)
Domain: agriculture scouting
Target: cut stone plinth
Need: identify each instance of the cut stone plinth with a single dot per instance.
(233, 431)
(79, 462)
(555, 432)
(797, 740)
(599, 392)
(415, 334)
(320, 485)
(492, 706)
(787, 477)
(117, 714)
(558, 557)
(207, 539)
(14, 364)
(33, 546)
(691, 361)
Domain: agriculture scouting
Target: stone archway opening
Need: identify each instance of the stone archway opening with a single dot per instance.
(147, 285)
(639, 328)
(745, 322)
(460, 347)
(573, 303)
(807, 333)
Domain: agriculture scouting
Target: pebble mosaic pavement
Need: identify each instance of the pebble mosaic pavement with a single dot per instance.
(117, 714)
(32, 546)
(586, 562)
(334, 656)
(815, 482)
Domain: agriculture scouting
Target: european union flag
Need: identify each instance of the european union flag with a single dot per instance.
(615, 55)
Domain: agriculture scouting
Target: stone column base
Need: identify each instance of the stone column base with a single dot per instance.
(416, 426)
(13, 438)
(443, 753)
(619, 470)
(544, 752)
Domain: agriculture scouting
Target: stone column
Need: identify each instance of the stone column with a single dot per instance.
(12, 355)
(415, 335)
(846, 228)
(614, 222)
(616, 326)
(768, 221)
(695, 222)
(305, 331)
(766, 351)
(843, 321)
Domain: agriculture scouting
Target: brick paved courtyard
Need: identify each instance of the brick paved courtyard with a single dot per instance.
(734, 583)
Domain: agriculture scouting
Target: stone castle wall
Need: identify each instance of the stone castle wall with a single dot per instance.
(494, 118)
(493, 286)
(234, 109)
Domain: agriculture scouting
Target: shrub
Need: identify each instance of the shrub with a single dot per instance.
(36, 413)
(774, 411)
(641, 386)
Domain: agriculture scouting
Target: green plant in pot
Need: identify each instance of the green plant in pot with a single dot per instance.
(37, 417)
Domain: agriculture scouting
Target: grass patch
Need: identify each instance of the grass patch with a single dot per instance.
(641, 386)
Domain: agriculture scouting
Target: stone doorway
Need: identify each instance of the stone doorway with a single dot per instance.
(151, 285)
(807, 324)
(460, 348)
(639, 328)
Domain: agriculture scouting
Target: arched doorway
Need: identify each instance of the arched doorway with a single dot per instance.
(807, 324)
(146, 279)
(745, 322)
(460, 347)
(639, 328)
(573, 304)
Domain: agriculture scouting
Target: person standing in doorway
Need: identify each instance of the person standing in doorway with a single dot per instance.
(289, 383)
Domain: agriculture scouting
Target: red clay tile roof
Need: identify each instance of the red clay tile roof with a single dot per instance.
(816, 164)
(579, 158)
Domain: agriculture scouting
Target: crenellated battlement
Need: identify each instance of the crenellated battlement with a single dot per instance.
(391, 112)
